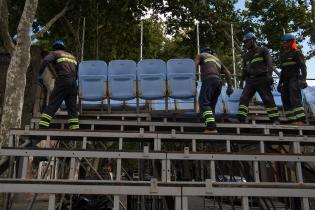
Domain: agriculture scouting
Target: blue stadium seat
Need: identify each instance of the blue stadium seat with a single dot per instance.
(276, 97)
(122, 79)
(308, 95)
(92, 80)
(231, 103)
(151, 79)
(181, 78)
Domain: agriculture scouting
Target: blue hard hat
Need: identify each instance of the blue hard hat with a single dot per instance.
(59, 42)
(287, 37)
(207, 50)
(249, 36)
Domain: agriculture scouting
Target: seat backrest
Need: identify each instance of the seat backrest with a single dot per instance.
(151, 67)
(181, 75)
(92, 80)
(151, 79)
(122, 77)
(93, 67)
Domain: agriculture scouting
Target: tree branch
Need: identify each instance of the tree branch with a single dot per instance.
(4, 27)
(52, 21)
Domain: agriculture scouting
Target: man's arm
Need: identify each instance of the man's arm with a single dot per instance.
(197, 60)
(268, 59)
(227, 74)
(48, 59)
(301, 63)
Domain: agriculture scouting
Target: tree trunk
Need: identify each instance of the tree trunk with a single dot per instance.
(16, 76)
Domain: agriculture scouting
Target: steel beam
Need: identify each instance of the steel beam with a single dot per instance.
(170, 189)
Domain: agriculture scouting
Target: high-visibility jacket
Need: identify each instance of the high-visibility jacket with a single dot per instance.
(64, 63)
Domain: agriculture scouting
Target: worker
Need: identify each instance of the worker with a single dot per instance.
(65, 89)
(292, 80)
(211, 70)
(257, 72)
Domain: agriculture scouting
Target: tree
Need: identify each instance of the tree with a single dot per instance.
(20, 59)
(270, 19)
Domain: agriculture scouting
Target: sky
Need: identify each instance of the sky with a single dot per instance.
(309, 63)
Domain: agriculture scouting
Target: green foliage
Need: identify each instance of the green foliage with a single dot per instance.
(115, 26)
(269, 19)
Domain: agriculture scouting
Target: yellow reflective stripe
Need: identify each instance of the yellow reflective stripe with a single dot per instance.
(214, 61)
(244, 107)
(207, 113)
(257, 59)
(292, 118)
(274, 115)
(59, 60)
(242, 113)
(209, 120)
(73, 120)
(300, 115)
(44, 123)
(298, 109)
(271, 109)
(289, 112)
(74, 127)
(289, 63)
(46, 116)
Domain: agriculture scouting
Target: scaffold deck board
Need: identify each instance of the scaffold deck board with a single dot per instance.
(159, 189)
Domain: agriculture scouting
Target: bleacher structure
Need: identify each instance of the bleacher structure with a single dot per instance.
(153, 154)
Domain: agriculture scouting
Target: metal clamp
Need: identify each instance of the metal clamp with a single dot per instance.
(186, 152)
(209, 186)
(153, 185)
(145, 151)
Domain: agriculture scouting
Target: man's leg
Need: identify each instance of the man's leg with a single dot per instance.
(55, 100)
(247, 95)
(264, 91)
(71, 103)
(296, 101)
(205, 102)
(285, 97)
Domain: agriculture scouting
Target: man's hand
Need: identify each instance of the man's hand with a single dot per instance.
(303, 84)
(270, 81)
(229, 90)
(280, 87)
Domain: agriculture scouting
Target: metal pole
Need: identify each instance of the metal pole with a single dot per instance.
(233, 53)
(97, 32)
(198, 48)
(83, 34)
(141, 40)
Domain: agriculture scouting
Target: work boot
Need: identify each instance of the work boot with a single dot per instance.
(298, 123)
(210, 130)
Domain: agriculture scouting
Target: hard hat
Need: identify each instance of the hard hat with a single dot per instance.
(58, 42)
(249, 36)
(207, 50)
(287, 37)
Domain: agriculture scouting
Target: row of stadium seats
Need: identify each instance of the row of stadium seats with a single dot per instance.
(150, 79)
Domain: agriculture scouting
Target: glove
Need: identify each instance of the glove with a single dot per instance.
(280, 87)
(303, 84)
(40, 80)
(241, 84)
(229, 90)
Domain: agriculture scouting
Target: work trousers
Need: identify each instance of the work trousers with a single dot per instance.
(264, 91)
(208, 97)
(292, 99)
(65, 89)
